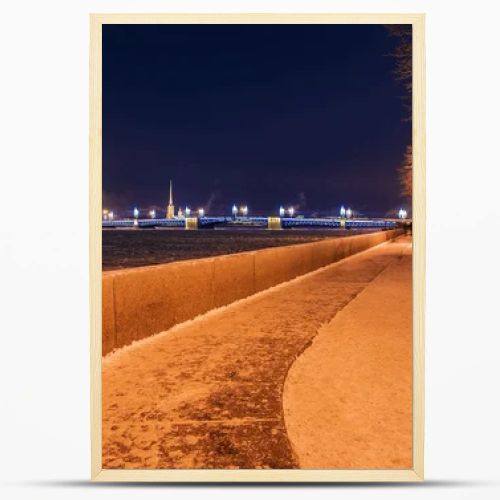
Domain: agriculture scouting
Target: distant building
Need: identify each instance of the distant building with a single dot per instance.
(171, 208)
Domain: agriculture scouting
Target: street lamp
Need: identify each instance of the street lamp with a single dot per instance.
(152, 213)
(244, 210)
(291, 211)
(187, 211)
(348, 213)
(234, 210)
(282, 212)
(110, 215)
(105, 215)
(342, 211)
(136, 213)
(201, 212)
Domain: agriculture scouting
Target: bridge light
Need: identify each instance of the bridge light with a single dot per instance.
(282, 212)
(152, 214)
(291, 211)
(136, 213)
(348, 213)
(187, 211)
(234, 210)
(110, 215)
(342, 211)
(201, 212)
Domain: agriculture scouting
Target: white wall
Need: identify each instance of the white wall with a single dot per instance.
(44, 447)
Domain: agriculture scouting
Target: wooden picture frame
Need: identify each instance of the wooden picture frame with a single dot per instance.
(292, 475)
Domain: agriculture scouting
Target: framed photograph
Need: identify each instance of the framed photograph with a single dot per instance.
(257, 247)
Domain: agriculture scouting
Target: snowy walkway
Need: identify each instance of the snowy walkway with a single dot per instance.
(348, 398)
(208, 393)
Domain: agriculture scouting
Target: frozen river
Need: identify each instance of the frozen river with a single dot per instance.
(142, 247)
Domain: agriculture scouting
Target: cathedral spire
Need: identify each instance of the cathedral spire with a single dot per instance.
(171, 208)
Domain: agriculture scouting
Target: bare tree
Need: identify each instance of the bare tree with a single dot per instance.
(403, 59)
(406, 173)
(403, 73)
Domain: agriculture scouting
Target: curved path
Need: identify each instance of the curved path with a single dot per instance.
(348, 398)
(208, 393)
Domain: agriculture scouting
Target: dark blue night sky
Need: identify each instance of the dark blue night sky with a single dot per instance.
(308, 115)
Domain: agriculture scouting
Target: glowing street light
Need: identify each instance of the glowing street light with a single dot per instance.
(348, 213)
(152, 213)
(234, 210)
(291, 211)
(201, 212)
(105, 215)
(244, 210)
(110, 215)
(402, 213)
(187, 211)
(342, 211)
(136, 213)
(282, 212)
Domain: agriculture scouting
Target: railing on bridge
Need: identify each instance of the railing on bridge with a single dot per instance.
(117, 223)
(385, 224)
(337, 223)
(312, 222)
(160, 222)
(212, 221)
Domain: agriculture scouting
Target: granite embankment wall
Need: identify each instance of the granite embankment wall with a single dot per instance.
(140, 302)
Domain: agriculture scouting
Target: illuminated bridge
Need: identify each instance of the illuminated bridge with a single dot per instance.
(264, 222)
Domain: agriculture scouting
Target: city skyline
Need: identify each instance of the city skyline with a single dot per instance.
(174, 210)
(292, 115)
